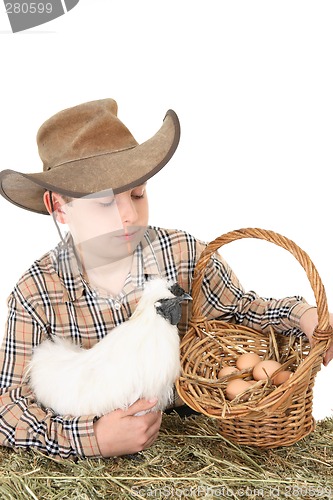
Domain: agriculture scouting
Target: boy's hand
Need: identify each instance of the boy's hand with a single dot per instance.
(308, 323)
(120, 432)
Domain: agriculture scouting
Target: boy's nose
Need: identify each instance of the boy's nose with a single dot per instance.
(127, 210)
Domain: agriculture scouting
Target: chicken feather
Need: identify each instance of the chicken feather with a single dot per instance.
(137, 359)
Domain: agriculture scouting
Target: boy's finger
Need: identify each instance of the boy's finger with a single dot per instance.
(141, 405)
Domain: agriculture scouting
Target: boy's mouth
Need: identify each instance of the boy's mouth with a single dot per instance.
(128, 235)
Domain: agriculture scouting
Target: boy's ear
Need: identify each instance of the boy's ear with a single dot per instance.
(58, 204)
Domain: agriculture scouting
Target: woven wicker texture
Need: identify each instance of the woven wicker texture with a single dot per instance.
(266, 415)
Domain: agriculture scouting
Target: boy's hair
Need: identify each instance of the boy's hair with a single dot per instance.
(67, 199)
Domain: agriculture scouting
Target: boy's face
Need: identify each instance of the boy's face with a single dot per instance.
(108, 226)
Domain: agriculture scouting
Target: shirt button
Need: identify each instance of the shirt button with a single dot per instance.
(117, 306)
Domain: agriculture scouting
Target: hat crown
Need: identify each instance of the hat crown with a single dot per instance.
(83, 131)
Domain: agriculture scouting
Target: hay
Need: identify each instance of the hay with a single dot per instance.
(189, 460)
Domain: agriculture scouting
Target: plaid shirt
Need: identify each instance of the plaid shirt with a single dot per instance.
(53, 298)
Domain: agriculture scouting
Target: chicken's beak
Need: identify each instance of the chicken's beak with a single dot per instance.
(185, 296)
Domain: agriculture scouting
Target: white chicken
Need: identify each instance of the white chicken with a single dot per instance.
(138, 359)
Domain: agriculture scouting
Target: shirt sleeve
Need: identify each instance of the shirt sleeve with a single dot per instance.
(23, 422)
(223, 297)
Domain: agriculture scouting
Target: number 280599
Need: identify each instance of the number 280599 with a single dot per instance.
(28, 8)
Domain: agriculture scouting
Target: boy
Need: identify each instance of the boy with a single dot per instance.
(94, 181)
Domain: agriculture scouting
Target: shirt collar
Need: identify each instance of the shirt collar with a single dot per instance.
(145, 264)
(66, 266)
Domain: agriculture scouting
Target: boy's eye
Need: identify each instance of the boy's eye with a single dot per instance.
(107, 204)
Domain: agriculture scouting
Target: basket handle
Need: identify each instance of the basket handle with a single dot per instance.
(323, 331)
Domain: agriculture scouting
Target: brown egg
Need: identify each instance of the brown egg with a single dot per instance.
(227, 370)
(281, 377)
(265, 368)
(247, 360)
(235, 387)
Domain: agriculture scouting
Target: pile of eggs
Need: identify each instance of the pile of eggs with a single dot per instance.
(261, 370)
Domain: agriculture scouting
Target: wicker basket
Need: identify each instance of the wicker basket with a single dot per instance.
(271, 416)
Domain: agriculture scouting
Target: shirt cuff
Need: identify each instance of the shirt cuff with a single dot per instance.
(297, 312)
(83, 438)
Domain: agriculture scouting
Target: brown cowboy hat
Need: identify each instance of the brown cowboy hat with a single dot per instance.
(86, 149)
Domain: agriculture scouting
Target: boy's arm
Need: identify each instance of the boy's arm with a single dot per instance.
(23, 423)
(224, 297)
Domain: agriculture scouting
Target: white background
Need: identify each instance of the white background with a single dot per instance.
(252, 84)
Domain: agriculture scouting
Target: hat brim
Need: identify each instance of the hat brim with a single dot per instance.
(119, 171)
